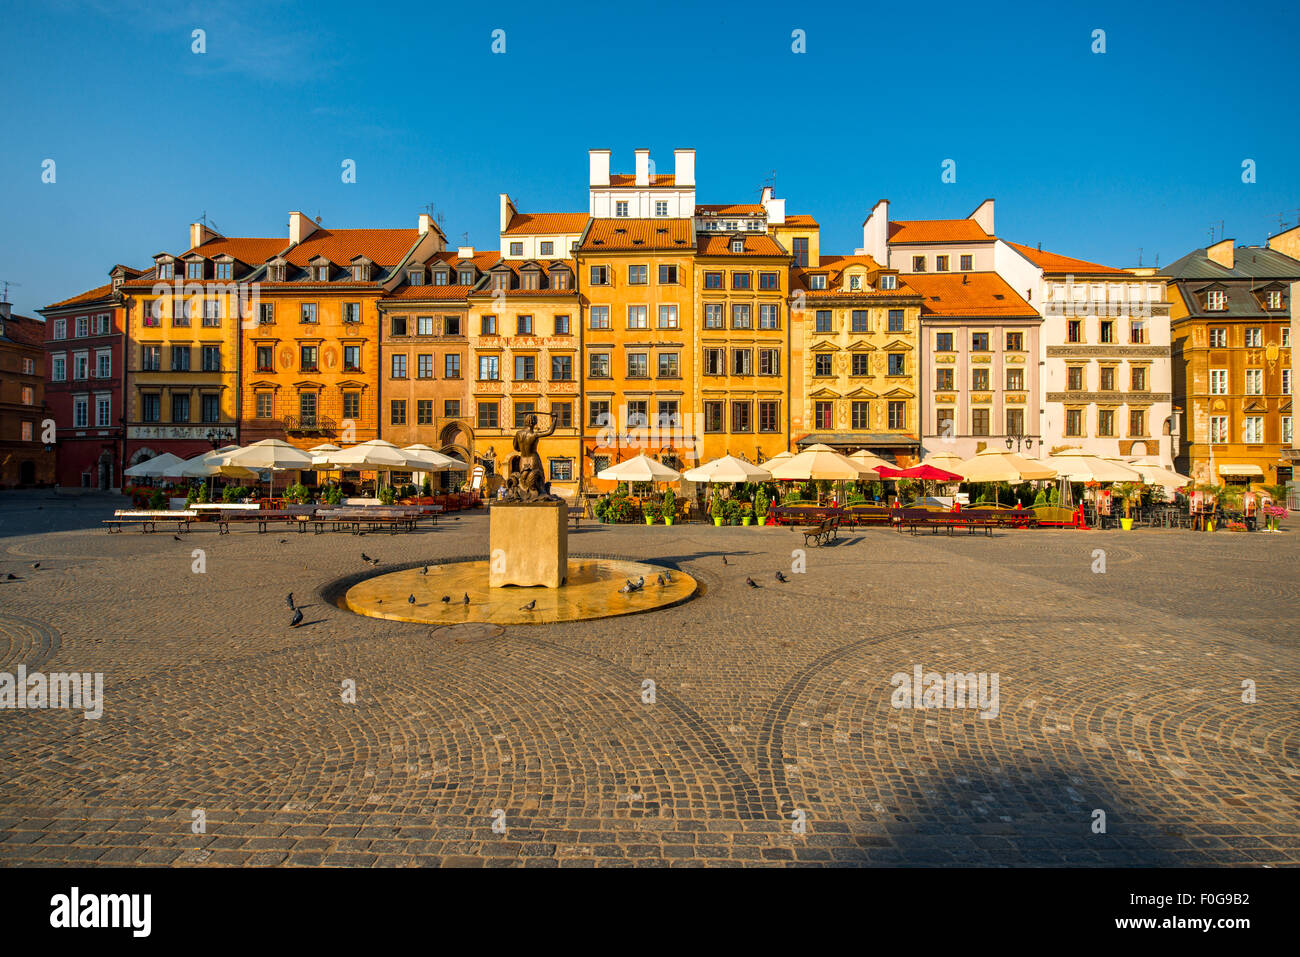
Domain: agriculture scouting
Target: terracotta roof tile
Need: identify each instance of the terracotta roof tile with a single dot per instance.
(937, 231)
(385, 247)
(24, 330)
(430, 292)
(738, 209)
(99, 292)
(756, 244)
(531, 224)
(1054, 262)
(254, 251)
(660, 181)
(800, 220)
(969, 294)
(634, 234)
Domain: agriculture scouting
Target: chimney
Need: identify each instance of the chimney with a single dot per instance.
(426, 223)
(507, 210)
(684, 167)
(300, 227)
(464, 252)
(775, 207)
(599, 165)
(200, 233)
(984, 216)
(1222, 253)
(643, 167)
(6, 310)
(875, 233)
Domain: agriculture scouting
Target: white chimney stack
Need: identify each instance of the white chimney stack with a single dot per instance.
(599, 162)
(464, 252)
(426, 223)
(643, 167)
(875, 233)
(300, 227)
(984, 216)
(684, 171)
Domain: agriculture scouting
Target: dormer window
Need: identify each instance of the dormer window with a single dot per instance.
(817, 282)
(1216, 300)
(194, 270)
(559, 280)
(440, 277)
(620, 208)
(322, 273)
(117, 283)
(360, 272)
(166, 271)
(889, 282)
(278, 271)
(737, 245)
(466, 277)
(855, 283)
(528, 280)
(1273, 299)
(501, 280)
(415, 277)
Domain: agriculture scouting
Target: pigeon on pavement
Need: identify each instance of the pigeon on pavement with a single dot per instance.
(289, 599)
(751, 583)
(530, 606)
(466, 598)
(410, 599)
(297, 618)
(781, 578)
(446, 599)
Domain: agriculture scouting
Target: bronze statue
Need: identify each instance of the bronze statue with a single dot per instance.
(528, 482)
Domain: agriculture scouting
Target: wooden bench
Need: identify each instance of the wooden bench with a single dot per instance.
(575, 514)
(148, 519)
(827, 530)
(394, 520)
(264, 518)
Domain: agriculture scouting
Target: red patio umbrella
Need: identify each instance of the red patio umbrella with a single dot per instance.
(925, 473)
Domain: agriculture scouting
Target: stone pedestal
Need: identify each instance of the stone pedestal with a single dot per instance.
(529, 544)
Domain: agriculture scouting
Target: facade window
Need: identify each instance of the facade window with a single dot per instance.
(638, 415)
(979, 342)
(151, 407)
(823, 320)
(211, 313)
(1015, 380)
(638, 317)
(1254, 338)
(61, 325)
(1137, 422)
(487, 325)
(83, 326)
(465, 277)
(1273, 299)
(943, 342)
(522, 411)
(979, 421)
(1015, 422)
(424, 325)
(1106, 331)
(103, 365)
(398, 367)
(918, 264)
(1286, 381)
(599, 275)
(713, 280)
(212, 359)
(516, 249)
(740, 280)
(742, 362)
(307, 357)
(667, 275)
(180, 408)
(1074, 422)
(561, 368)
(945, 423)
(637, 275)
(860, 364)
(801, 252)
(181, 309)
(667, 317)
(1106, 422)
(860, 415)
(424, 412)
(769, 280)
(1074, 378)
(600, 317)
(620, 208)
(489, 415)
(561, 326)
(715, 361)
(351, 405)
(397, 412)
(943, 380)
(769, 362)
(858, 320)
(897, 364)
(180, 361)
(1286, 431)
(769, 416)
(166, 271)
(525, 368)
(769, 316)
(563, 412)
(967, 262)
(524, 326)
(352, 358)
(424, 366)
(669, 366)
(667, 414)
(940, 263)
(1138, 379)
(713, 316)
(1218, 430)
(265, 313)
(1137, 332)
(1218, 338)
(194, 270)
(451, 366)
(1015, 342)
(489, 368)
(1254, 382)
(823, 414)
(80, 412)
(151, 358)
(740, 417)
(822, 364)
(598, 365)
(308, 312)
(598, 413)
(713, 416)
(210, 408)
(59, 368)
(740, 315)
(1218, 382)
(979, 380)
(737, 245)
(1074, 330)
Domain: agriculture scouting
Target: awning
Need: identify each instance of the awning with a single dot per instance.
(1240, 470)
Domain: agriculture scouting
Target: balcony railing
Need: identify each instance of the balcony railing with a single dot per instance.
(298, 424)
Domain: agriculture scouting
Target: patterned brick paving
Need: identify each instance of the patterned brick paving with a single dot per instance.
(1119, 691)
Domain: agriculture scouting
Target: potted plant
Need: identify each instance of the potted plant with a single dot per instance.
(1128, 493)
(669, 507)
(761, 505)
(716, 509)
(387, 495)
(746, 513)
(650, 512)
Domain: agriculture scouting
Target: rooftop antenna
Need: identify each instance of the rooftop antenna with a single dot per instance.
(203, 218)
(464, 239)
(1139, 257)
(4, 293)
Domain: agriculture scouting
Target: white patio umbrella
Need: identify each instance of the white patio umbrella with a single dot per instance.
(1077, 465)
(727, 469)
(639, 469)
(873, 462)
(948, 461)
(779, 457)
(1153, 473)
(271, 455)
(820, 463)
(432, 457)
(156, 467)
(994, 465)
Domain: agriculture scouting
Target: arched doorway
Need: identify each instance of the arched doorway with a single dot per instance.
(457, 440)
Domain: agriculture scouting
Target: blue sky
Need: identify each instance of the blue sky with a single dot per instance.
(1093, 155)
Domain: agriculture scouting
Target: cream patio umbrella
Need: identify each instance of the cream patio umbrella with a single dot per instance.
(994, 465)
(642, 468)
(432, 457)
(156, 467)
(779, 457)
(1076, 465)
(727, 469)
(1153, 473)
(873, 462)
(820, 463)
(375, 456)
(948, 461)
(271, 455)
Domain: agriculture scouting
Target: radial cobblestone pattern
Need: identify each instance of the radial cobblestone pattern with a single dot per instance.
(751, 725)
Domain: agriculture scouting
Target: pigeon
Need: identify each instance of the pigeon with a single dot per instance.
(661, 581)
(627, 588)
(410, 599)
(424, 570)
(724, 559)
(781, 578)
(446, 599)
(530, 606)
(289, 599)
(12, 577)
(751, 583)
(466, 598)
(176, 538)
(284, 541)
(365, 557)
(36, 565)
(668, 577)
(297, 618)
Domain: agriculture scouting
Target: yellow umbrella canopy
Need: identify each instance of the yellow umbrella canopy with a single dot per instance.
(727, 469)
(820, 463)
(873, 462)
(993, 465)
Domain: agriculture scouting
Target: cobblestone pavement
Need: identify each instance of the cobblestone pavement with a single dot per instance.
(1119, 691)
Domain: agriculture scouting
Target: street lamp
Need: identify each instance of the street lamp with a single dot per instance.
(1024, 442)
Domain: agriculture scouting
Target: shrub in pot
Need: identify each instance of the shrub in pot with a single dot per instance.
(670, 507)
(761, 505)
(716, 508)
(649, 511)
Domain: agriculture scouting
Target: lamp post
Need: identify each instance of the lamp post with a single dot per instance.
(1025, 442)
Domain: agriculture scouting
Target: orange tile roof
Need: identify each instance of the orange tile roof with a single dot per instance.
(756, 244)
(99, 292)
(1056, 263)
(483, 259)
(937, 231)
(24, 330)
(531, 224)
(839, 262)
(969, 294)
(799, 220)
(385, 247)
(430, 292)
(253, 251)
(634, 234)
(739, 209)
(833, 268)
(660, 181)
